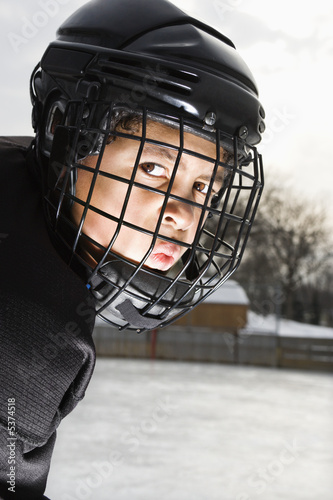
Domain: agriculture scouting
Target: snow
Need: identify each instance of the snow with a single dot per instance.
(164, 430)
(271, 324)
(229, 293)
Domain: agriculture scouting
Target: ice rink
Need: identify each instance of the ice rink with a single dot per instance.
(159, 430)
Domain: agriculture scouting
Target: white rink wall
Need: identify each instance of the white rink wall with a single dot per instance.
(266, 341)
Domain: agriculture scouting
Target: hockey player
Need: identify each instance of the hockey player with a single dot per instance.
(134, 201)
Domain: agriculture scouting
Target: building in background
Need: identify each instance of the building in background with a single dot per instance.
(227, 308)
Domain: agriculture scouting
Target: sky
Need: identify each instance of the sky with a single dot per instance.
(287, 45)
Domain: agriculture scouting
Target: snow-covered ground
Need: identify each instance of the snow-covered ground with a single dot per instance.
(160, 430)
(257, 323)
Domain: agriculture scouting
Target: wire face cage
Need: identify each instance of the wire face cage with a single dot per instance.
(156, 209)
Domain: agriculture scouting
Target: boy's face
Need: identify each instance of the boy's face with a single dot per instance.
(180, 220)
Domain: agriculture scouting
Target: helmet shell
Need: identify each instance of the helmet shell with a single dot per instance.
(163, 59)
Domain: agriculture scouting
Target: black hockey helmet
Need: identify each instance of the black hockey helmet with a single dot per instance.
(110, 67)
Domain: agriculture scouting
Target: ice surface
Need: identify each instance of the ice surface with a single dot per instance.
(160, 430)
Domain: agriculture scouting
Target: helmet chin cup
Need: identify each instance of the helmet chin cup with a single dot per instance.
(138, 299)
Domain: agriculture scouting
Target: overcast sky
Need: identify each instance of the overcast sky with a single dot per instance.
(287, 44)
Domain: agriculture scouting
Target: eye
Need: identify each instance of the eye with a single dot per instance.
(201, 187)
(153, 169)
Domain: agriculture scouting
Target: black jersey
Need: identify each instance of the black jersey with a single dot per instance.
(46, 321)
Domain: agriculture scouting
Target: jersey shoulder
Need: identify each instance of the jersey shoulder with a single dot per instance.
(12, 142)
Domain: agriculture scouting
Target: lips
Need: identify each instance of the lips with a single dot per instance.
(164, 255)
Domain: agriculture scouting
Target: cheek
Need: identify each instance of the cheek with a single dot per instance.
(108, 196)
(142, 211)
(143, 208)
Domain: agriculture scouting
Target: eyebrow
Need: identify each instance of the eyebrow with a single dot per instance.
(171, 155)
(162, 152)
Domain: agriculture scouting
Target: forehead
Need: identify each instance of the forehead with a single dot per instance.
(166, 134)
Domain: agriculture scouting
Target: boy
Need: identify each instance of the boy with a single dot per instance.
(134, 202)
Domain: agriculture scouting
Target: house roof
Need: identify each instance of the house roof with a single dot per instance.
(229, 293)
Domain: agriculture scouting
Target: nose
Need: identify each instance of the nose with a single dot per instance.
(179, 215)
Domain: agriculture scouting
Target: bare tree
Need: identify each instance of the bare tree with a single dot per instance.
(290, 242)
